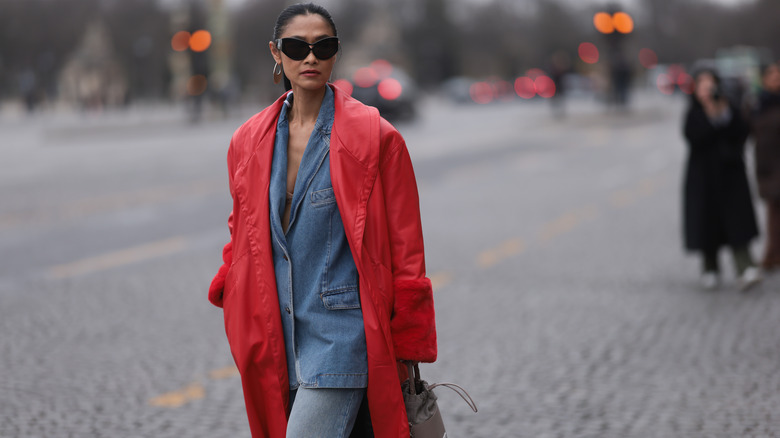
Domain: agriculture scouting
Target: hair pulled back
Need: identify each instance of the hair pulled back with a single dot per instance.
(293, 11)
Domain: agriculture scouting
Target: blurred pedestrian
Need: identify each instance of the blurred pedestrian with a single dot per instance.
(718, 206)
(323, 284)
(766, 130)
(560, 66)
(28, 86)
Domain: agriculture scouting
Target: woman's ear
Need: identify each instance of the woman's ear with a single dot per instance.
(275, 52)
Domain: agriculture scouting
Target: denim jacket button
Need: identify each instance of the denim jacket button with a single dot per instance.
(284, 256)
(287, 309)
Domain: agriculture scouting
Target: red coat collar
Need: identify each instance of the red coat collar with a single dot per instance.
(354, 157)
(356, 126)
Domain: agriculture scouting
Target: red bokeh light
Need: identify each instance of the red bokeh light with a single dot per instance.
(481, 92)
(588, 52)
(365, 77)
(674, 72)
(685, 82)
(180, 41)
(503, 89)
(390, 89)
(524, 87)
(382, 68)
(545, 86)
(648, 58)
(344, 85)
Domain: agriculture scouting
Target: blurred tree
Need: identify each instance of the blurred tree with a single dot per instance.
(437, 38)
(351, 17)
(556, 28)
(35, 38)
(253, 29)
(493, 40)
(139, 30)
(760, 23)
(684, 31)
(430, 43)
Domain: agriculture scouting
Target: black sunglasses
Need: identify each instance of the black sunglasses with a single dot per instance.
(298, 50)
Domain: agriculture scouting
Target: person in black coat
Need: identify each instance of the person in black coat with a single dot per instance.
(718, 205)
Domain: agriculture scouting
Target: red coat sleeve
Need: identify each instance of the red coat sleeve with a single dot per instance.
(218, 282)
(412, 323)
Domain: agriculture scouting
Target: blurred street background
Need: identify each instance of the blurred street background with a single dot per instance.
(546, 139)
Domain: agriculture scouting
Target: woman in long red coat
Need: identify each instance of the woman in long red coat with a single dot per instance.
(323, 284)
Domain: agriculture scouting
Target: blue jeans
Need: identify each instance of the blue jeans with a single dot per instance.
(323, 412)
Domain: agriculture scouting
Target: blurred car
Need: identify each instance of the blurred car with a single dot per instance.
(458, 89)
(384, 86)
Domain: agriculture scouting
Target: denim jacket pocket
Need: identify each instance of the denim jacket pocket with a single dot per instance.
(341, 298)
(322, 197)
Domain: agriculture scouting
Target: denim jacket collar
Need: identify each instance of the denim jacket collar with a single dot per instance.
(324, 123)
(316, 149)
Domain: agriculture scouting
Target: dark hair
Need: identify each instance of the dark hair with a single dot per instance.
(766, 67)
(696, 74)
(710, 71)
(293, 11)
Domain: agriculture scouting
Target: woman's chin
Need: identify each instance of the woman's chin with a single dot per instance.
(310, 84)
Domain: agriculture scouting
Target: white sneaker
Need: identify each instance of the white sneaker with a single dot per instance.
(749, 278)
(709, 281)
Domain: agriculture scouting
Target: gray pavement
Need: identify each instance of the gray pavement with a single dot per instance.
(565, 304)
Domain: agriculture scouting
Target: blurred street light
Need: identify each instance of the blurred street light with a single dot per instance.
(603, 22)
(200, 41)
(607, 23)
(623, 22)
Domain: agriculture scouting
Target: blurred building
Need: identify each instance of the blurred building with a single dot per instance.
(93, 77)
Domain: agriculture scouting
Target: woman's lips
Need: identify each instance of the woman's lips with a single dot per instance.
(310, 73)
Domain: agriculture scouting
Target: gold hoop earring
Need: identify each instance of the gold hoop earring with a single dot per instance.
(277, 75)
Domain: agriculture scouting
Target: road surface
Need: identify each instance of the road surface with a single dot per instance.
(565, 304)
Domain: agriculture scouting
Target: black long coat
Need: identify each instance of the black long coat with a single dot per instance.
(766, 131)
(718, 205)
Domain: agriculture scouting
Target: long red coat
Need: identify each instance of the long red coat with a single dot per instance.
(376, 193)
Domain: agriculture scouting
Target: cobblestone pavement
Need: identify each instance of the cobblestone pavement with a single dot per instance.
(565, 304)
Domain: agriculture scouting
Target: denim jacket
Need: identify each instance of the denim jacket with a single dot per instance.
(316, 276)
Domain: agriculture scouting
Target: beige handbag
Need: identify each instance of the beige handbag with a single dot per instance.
(421, 408)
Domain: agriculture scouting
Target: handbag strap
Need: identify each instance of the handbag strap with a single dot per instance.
(414, 377)
(458, 390)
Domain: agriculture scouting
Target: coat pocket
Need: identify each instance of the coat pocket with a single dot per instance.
(341, 298)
